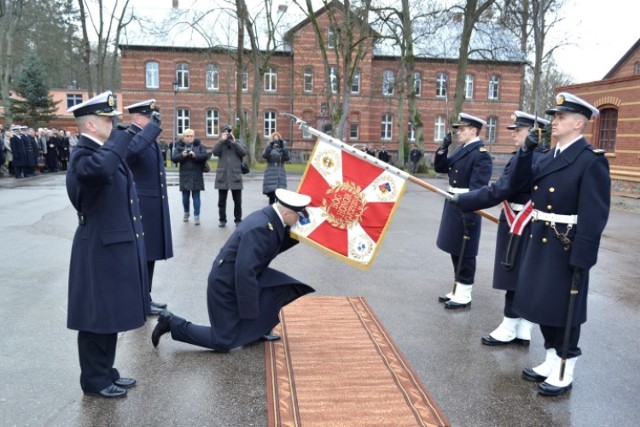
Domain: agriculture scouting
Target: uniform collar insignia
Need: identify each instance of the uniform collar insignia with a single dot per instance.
(270, 226)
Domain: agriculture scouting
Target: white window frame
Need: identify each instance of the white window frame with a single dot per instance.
(354, 131)
(468, 86)
(332, 38)
(492, 130)
(213, 77)
(411, 132)
(212, 122)
(417, 82)
(270, 80)
(441, 84)
(388, 82)
(494, 88)
(152, 75)
(307, 80)
(182, 75)
(73, 99)
(386, 133)
(183, 120)
(439, 128)
(270, 123)
(334, 79)
(355, 83)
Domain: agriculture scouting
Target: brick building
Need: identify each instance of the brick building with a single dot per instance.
(617, 129)
(294, 83)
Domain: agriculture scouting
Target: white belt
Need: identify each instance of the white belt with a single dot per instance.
(455, 190)
(517, 207)
(554, 218)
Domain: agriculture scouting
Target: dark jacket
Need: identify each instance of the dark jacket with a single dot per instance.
(468, 167)
(245, 295)
(577, 182)
(275, 175)
(191, 174)
(108, 283)
(229, 172)
(147, 166)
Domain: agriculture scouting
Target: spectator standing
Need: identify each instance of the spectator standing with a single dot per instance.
(63, 149)
(51, 157)
(229, 174)
(414, 158)
(19, 150)
(384, 155)
(275, 176)
(191, 155)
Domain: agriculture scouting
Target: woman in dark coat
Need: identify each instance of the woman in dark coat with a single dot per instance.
(275, 176)
(191, 154)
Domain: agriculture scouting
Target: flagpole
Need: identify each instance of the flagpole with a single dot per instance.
(377, 162)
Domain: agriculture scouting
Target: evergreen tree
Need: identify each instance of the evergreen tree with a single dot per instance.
(37, 106)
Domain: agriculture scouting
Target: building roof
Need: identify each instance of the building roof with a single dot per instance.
(613, 71)
(198, 26)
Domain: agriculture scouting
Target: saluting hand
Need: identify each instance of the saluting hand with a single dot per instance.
(532, 140)
(446, 142)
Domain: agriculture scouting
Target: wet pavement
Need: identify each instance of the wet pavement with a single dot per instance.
(181, 385)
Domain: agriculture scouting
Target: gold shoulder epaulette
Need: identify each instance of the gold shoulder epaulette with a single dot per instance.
(482, 150)
(598, 150)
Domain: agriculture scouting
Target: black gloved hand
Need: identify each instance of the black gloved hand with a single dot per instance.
(123, 127)
(446, 142)
(532, 140)
(453, 199)
(155, 118)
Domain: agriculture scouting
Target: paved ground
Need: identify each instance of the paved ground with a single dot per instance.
(180, 385)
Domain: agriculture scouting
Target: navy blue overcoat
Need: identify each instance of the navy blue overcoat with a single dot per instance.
(576, 182)
(469, 167)
(108, 284)
(245, 295)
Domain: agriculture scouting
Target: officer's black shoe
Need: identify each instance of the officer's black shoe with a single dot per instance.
(162, 327)
(530, 375)
(455, 305)
(489, 340)
(158, 304)
(109, 392)
(125, 382)
(547, 389)
(270, 337)
(443, 298)
(222, 224)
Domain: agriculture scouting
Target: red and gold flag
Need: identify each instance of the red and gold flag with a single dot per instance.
(353, 198)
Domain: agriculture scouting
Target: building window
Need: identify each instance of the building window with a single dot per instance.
(439, 128)
(213, 123)
(355, 83)
(213, 82)
(332, 38)
(269, 123)
(354, 131)
(608, 128)
(308, 80)
(417, 83)
(183, 120)
(308, 117)
(152, 79)
(494, 88)
(468, 87)
(73, 99)
(637, 68)
(182, 76)
(492, 126)
(387, 126)
(270, 80)
(411, 132)
(245, 79)
(441, 85)
(333, 79)
(388, 81)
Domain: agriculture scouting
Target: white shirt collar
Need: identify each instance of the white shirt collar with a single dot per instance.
(559, 149)
(93, 139)
(279, 214)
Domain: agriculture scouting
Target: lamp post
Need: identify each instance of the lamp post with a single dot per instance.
(176, 85)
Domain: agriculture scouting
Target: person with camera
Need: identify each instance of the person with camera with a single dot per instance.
(191, 155)
(275, 176)
(229, 174)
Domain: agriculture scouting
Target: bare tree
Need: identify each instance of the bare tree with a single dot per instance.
(10, 21)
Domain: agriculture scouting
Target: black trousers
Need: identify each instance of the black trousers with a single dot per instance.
(237, 205)
(508, 303)
(554, 336)
(150, 267)
(97, 354)
(467, 273)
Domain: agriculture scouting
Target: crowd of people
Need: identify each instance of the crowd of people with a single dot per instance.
(25, 151)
